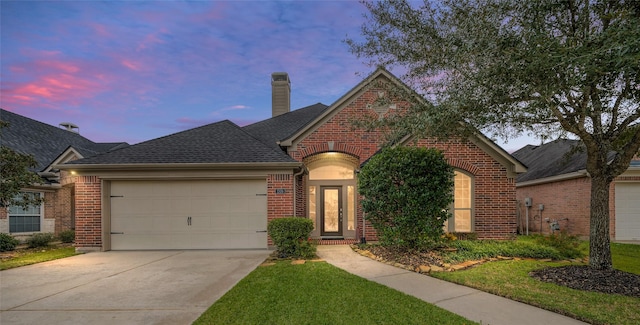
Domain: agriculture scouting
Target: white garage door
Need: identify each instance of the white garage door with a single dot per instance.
(628, 211)
(211, 214)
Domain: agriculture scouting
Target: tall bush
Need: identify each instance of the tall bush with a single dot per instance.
(407, 192)
(291, 237)
(7, 242)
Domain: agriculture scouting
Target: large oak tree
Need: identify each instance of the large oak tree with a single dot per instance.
(511, 67)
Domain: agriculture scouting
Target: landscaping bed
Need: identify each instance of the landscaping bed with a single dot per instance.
(577, 275)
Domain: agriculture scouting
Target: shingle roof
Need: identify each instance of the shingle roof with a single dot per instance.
(272, 130)
(555, 158)
(221, 142)
(45, 142)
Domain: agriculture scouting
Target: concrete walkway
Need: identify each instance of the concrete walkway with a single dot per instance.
(473, 304)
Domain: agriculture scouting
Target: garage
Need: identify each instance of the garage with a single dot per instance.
(627, 211)
(188, 214)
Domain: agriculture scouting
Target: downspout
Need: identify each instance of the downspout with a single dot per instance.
(303, 169)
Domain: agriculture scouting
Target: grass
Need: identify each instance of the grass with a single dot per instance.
(510, 279)
(33, 256)
(319, 293)
(626, 257)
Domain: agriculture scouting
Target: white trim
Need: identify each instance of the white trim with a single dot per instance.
(557, 178)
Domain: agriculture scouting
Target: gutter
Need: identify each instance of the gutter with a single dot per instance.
(160, 166)
(303, 170)
(563, 177)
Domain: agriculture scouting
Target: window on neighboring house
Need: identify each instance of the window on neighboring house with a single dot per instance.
(25, 220)
(462, 207)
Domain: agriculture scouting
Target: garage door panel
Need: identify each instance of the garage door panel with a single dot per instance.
(627, 215)
(188, 214)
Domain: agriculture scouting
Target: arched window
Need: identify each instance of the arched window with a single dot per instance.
(462, 207)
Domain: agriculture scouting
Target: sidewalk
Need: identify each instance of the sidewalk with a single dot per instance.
(473, 304)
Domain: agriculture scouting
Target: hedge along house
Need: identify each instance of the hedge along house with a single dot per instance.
(49, 145)
(217, 186)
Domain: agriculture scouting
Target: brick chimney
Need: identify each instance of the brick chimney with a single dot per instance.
(280, 93)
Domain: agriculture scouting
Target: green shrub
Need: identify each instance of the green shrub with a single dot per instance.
(291, 237)
(7, 242)
(40, 240)
(465, 235)
(67, 236)
(568, 245)
(407, 192)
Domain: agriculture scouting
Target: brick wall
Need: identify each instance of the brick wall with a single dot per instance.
(564, 199)
(88, 212)
(494, 192)
(279, 205)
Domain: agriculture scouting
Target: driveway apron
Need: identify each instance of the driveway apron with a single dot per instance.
(128, 287)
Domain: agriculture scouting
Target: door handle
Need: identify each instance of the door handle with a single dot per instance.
(117, 233)
(188, 221)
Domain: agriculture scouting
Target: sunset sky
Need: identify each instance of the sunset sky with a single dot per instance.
(137, 70)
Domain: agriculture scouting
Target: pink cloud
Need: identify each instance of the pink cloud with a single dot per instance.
(131, 65)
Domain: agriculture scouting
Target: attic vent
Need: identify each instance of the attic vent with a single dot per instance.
(282, 177)
(70, 127)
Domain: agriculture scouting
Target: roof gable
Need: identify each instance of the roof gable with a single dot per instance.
(337, 106)
(220, 142)
(512, 164)
(45, 142)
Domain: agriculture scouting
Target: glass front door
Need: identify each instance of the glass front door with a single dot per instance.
(331, 221)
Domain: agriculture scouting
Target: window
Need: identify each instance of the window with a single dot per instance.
(312, 205)
(25, 220)
(351, 207)
(462, 208)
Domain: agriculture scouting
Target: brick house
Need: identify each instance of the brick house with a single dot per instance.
(49, 146)
(218, 185)
(557, 179)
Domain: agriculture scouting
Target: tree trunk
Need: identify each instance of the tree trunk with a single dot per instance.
(599, 247)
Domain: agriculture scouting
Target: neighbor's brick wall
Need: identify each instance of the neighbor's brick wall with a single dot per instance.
(564, 199)
(57, 211)
(495, 205)
(88, 212)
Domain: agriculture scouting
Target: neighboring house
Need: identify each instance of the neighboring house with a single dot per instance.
(557, 179)
(49, 146)
(218, 185)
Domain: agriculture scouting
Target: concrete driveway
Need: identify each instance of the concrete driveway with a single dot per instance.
(132, 287)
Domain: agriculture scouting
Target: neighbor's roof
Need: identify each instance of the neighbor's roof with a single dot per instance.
(273, 130)
(45, 142)
(554, 158)
(220, 142)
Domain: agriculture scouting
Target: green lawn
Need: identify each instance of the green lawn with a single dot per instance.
(34, 256)
(626, 257)
(319, 293)
(510, 279)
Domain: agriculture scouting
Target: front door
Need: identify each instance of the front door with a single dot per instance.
(331, 212)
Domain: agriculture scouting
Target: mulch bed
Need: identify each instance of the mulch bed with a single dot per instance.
(580, 277)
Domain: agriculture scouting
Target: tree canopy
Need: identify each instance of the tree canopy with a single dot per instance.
(545, 68)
